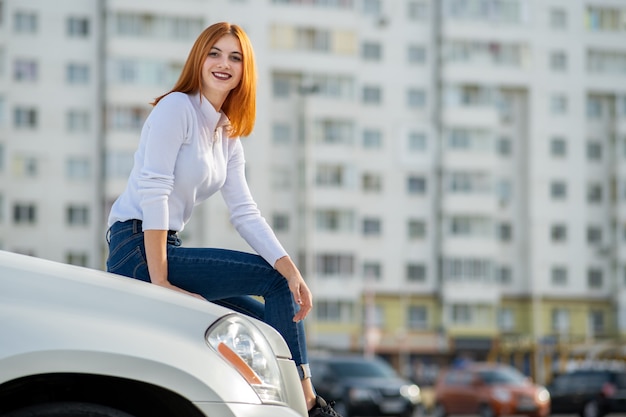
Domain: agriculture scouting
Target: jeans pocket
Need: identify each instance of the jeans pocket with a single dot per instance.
(132, 265)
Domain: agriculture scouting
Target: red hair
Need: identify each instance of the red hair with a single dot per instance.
(240, 104)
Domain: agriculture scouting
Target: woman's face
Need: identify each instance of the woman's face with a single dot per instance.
(222, 68)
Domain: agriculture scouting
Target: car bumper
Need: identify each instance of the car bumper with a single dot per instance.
(245, 410)
(616, 405)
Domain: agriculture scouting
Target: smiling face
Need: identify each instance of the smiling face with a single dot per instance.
(222, 70)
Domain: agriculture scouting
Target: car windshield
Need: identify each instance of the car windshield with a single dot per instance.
(502, 376)
(362, 369)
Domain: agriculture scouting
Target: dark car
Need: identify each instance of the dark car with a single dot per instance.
(363, 386)
(589, 392)
(489, 389)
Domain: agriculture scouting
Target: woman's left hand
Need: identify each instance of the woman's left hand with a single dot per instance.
(298, 287)
(302, 295)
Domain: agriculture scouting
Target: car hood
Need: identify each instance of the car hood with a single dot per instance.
(31, 287)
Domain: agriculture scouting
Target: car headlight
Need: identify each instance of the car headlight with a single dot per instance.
(243, 345)
(501, 395)
(543, 395)
(361, 395)
(411, 393)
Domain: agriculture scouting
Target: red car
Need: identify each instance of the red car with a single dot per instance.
(489, 389)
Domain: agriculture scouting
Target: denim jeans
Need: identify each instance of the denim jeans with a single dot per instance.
(225, 277)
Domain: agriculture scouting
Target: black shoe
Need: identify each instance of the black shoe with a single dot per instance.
(323, 409)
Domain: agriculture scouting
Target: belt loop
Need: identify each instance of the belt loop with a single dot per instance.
(136, 226)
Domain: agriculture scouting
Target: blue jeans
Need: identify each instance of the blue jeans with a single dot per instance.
(225, 277)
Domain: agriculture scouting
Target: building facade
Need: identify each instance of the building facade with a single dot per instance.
(448, 174)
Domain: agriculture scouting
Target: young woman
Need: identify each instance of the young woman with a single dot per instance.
(189, 149)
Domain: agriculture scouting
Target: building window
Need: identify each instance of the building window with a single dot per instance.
(505, 232)
(594, 278)
(558, 104)
(558, 276)
(560, 320)
(558, 19)
(596, 322)
(372, 227)
(595, 106)
(417, 318)
(371, 182)
(558, 61)
(25, 166)
(281, 85)
(417, 10)
(371, 51)
(558, 233)
(461, 313)
(506, 319)
(25, 70)
(334, 264)
(330, 175)
(416, 99)
(77, 215)
(558, 147)
(280, 222)
(416, 272)
(78, 121)
(25, 118)
(558, 190)
(372, 271)
(504, 275)
(127, 118)
(417, 141)
(594, 151)
(372, 139)
(416, 185)
(594, 193)
(281, 133)
(371, 7)
(594, 235)
(25, 22)
(77, 27)
(504, 146)
(77, 74)
(334, 220)
(76, 258)
(330, 131)
(312, 39)
(372, 95)
(416, 229)
(328, 311)
(416, 54)
(78, 168)
(24, 213)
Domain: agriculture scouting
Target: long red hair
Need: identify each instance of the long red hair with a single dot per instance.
(240, 105)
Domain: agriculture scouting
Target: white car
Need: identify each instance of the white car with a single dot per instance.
(78, 342)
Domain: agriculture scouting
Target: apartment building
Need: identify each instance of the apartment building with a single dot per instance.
(50, 136)
(448, 174)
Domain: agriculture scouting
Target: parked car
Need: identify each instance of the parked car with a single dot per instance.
(489, 389)
(589, 392)
(76, 342)
(363, 386)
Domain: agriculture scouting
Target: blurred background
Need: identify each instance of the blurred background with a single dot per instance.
(448, 173)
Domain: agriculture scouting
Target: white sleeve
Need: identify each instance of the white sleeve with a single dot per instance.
(244, 213)
(168, 126)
